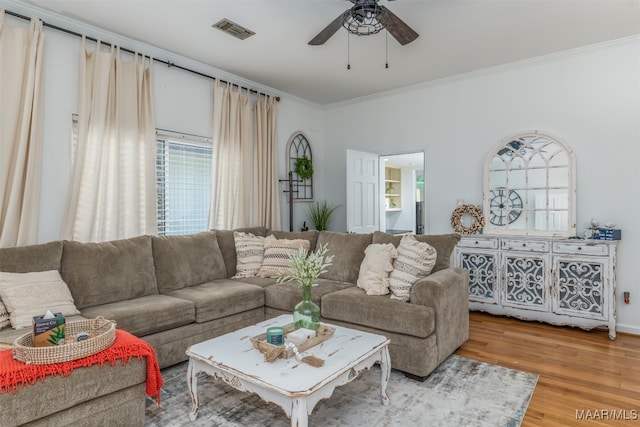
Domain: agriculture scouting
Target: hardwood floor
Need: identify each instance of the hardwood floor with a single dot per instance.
(582, 373)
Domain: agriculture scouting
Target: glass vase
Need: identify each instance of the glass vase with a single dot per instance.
(307, 313)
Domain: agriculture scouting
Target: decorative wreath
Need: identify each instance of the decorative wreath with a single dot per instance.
(303, 168)
(459, 212)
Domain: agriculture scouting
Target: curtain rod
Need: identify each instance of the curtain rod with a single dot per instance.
(167, 63)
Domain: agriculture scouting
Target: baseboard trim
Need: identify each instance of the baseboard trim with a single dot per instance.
(628, 329)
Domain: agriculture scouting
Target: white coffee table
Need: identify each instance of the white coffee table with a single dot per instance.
(294, 386)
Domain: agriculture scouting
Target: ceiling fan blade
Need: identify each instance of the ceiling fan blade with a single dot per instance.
(397, 27)
(329, 31)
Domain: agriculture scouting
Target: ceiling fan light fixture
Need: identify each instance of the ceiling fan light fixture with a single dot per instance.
(363, 19)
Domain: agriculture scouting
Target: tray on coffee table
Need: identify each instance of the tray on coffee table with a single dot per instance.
(323, 333)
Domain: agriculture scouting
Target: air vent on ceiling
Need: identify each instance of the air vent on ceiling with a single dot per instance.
(232, 28)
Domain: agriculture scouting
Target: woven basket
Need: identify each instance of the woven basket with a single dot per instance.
(104, 332)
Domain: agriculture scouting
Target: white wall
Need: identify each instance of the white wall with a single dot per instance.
(590, 98)
(183, 102)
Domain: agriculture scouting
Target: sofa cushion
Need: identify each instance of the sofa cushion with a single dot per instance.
(277, 253)
(348, 252)
(285, 296)
(146, 315)
(187, 260)
(101, 273)
(26, 295)
(352, 305)
(249, 254)
(443, 244)
(92, 395)
(376, 267)
(310, 235)
(228, 246)
(258, 281)
(415, 260)
(221, 298)
(24, 259)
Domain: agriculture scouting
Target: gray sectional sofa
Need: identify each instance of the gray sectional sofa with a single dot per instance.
(175, 291)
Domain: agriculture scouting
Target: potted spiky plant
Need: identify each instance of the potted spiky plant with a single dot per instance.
(319, 214)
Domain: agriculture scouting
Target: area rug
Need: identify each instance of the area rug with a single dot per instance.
(460, 392)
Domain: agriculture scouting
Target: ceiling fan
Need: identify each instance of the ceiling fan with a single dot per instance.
(364, 18)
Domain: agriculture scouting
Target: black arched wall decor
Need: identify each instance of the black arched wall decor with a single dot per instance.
(298, 148)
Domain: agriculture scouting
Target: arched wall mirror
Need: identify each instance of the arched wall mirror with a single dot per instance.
(529, 186)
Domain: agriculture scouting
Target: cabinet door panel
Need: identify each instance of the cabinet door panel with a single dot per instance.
(524, 281)
(483, 275)
(580, 287)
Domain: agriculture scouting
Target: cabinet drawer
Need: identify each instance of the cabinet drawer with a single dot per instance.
(525, 245)
(479, 243)
(580, 248)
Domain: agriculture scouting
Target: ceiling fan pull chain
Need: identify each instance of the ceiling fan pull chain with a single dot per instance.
(386, 49)
(348, 53)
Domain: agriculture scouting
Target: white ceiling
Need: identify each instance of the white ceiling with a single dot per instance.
(456, 36)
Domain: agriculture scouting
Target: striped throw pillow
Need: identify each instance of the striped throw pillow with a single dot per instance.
(276, 255)
(415, 261)
(249, 253)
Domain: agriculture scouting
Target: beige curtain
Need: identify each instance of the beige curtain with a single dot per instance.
(20, 132)
(266, 210)
(113, 190)
(231, 141)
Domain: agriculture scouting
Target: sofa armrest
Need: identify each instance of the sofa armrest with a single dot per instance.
(447, 292)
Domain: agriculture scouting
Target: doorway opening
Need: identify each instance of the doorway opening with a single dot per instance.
(402, 189)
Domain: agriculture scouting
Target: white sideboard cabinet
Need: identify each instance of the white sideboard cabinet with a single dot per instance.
(558, 281)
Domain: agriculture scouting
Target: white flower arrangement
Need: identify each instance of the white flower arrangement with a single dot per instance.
(305, 268)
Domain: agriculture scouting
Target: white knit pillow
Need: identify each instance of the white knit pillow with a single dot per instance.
(375, 268)
(415, 261)
(276, 255)
(249, 253)
(31, 294)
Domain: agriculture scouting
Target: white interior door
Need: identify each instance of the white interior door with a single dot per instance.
(363, 195)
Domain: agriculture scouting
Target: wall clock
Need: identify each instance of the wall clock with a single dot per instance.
(499, 200)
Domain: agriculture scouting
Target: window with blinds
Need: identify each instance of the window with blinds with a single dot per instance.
(183, 170)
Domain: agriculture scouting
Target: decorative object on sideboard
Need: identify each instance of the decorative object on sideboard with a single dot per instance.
(505, 205)
(458, 215)
(608, 232)
(531, 172)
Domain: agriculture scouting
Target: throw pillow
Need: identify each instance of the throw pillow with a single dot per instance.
(276, 255)
(31, 294)
(415, 261)
(4, 316)
(249, 254)
(375, 268)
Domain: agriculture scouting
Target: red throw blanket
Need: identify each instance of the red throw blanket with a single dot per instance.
(14, 373)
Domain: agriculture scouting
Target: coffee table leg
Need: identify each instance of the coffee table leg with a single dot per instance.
(385, 373)
(299, 416)
(192, 379)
